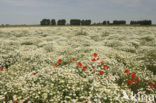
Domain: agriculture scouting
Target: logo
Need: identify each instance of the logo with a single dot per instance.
(139, 97)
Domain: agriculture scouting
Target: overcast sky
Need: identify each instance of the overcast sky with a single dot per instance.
(32, 11)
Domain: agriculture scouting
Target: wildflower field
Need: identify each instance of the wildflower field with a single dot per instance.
(79, 64)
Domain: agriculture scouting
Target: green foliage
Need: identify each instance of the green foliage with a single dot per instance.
(105, 23)
(141, 22)
(75, 22)
(85, 22)
(88, 22)
(119, 22)
(61, 22)
(45, 22)
(53, 22)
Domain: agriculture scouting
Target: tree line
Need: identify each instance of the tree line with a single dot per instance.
(47, 22)
(141, 22)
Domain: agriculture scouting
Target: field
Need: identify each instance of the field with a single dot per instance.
(43, 64)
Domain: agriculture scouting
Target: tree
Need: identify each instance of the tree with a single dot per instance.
(88, 22)
(119, 22)
(61, 22)
(141, 22)
(85, 22)
(45, 22)
(108, 23)
(75, 22)
(53, 22)
(104, 22)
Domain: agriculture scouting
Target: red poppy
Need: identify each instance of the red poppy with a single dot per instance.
(84, 67)
(1, 68)
(79, 64)
(134, 82)
(101, 63)
(55, 65)
(127, 71)
(15, 101)
(98, 58)
(34, 73)
(73, 59)
(133, 75)
(93, 59)
(95, 55)
(129, 82)
(101, 72)
(59, 61)
(105, 66)
(151, 85)
(138, 79)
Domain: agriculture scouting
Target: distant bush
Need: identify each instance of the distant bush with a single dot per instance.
(88, 22)
(45, 22)
(61, 22)
(75, 22)
(53, 22)
(85, 22)
(105, 23)
(119, 22)
(141, 22)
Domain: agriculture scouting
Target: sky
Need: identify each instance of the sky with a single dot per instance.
(33, 11)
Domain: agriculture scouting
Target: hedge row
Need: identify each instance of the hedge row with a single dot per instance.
(80, 22)
(52, 22)
(141, 22)
(88, 22)
(119, 22)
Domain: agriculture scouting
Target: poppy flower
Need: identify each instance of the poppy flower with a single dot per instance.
(101, 63)
(138, 79)
(55, 65)
(84, 67)
(105, 66)
(1, 68)
(134, 82)
(101, 72)
(95, 55)
(93, 59)
(127, 71)
(73, 59)
(79, 64)
(129, 82)
(151, 85)
(98, 58)
(15, 101)
(133, 75)
(59, 61)
(34, 73)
